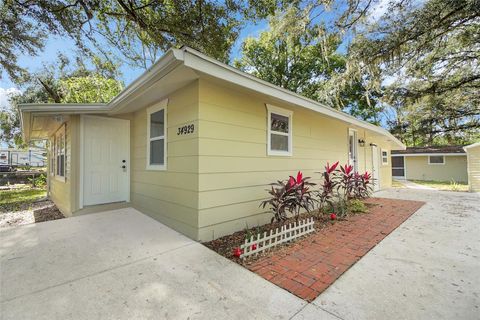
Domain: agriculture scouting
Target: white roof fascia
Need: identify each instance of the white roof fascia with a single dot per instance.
(171, 59)
(200, 62)
(167, 61)
(62, 107)
(427, 154)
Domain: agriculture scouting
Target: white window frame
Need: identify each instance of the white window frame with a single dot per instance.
(51, 158)
(61, 133)
(155, 108)
(437, 164)
(384, 163)
(354, 133)
(282, 112)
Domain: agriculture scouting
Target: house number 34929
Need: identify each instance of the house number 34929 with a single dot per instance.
(186, 129)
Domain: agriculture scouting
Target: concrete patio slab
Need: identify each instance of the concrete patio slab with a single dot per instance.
(38, 256)
(426, 269)
(314, 312)
(124, 265)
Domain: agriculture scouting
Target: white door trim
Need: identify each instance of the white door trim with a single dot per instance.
(355, 147)
(82, 161)
(375, 169)
(81, 169)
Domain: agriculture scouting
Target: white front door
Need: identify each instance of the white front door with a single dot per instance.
(106, 160)
(353, 149)
(375, 168)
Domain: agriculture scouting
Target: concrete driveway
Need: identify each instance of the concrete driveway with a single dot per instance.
(428, 268)
(124, 265)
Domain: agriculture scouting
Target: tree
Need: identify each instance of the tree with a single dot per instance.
(430, 49)
(433, 52)
(61, 82)
(137, 30)
(303, 57)
(16, 37)
(10, 128)
(289, 54)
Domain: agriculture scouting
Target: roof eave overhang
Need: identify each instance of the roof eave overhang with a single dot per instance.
(30, 110)
(169, 61)
(204, 64)
(427, 154)
(201, 63)
(55, 108)
(165, 64)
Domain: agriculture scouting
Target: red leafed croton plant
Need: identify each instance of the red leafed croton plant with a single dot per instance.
(290, 196)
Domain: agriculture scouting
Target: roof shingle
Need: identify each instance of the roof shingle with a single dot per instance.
(435, 149)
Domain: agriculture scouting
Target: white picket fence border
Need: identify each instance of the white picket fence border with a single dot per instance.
(286, 233)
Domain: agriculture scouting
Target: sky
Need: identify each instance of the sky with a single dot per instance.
(55, 45)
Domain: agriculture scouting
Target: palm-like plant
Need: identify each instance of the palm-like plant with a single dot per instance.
(330, 181)
(290, 196)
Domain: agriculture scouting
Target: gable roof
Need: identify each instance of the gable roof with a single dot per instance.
(189, 64)
(431, 150)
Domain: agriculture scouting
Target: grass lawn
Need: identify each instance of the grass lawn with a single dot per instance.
(8, 197)
(444, 185)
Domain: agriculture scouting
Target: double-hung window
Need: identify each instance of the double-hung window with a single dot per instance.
(279, 131)
(384, 157)
(60, 151)
(156, 136)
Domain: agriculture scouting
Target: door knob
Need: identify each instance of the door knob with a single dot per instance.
(123, 167)
(124, 161)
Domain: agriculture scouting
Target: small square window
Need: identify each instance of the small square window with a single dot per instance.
(157, 155)
(279, 131)
(157, 124)
(279, 123)
(436, 160)
(384, 157)
(279, 143)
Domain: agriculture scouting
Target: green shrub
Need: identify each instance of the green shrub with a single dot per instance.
(39, 182)
(357, 206)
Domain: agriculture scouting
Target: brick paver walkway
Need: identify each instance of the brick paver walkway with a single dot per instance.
(311, 265)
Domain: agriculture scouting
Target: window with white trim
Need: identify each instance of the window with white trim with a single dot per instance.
(436, 160)
(60, 151)
(279, 131)
(156, 136)
(384, 157)
(52, 156)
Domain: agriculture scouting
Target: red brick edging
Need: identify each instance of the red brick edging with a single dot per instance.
(311, 265)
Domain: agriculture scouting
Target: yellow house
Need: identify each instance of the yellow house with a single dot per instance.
(194, 142)
(473, 166)
(445, 163)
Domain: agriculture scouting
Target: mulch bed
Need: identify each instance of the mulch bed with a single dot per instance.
(225, 245)
(309, 265)
(27, 213)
